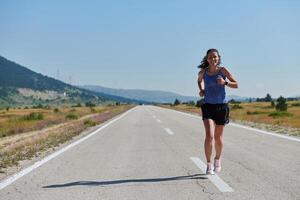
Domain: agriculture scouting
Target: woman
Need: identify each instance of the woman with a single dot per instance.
(212, 80)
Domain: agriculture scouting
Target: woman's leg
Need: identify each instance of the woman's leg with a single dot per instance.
(218, 140)
(218, 147)
(209, 126)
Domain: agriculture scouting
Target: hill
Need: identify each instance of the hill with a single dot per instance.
(20, 86)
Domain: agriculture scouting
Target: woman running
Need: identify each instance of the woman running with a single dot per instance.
(212, 80)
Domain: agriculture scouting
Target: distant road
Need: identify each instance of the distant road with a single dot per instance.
(156, 153)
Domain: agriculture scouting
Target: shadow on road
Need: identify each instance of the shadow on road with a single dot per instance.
(103, 183)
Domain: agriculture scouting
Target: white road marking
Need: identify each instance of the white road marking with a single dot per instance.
(154, 117)
(246, 127)
(27, 170)
(169, 131)
(158, 120)
(215, 179)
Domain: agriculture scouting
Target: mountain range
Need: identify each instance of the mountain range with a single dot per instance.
(151, 95)
(20, 86)
(142, 95)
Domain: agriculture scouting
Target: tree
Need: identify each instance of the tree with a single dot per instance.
(89, 104)
(78, 105)
(200, 103)
(268, 98)
(257, 99)
(272, 104)
(176, 102)
(281, 104)
(191, 103)
(231, 101)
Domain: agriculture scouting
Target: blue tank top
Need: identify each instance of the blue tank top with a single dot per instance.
(214, 93)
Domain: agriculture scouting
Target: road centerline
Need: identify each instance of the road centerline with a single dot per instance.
(169, 131)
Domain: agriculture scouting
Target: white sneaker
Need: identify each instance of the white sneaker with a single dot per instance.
(209, 169)
(217, 165)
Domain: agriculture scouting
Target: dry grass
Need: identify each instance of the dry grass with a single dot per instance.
(14, 121)
(258, 113)
(261, 112)
(26, 145)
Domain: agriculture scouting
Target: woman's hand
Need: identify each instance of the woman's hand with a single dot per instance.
(220, 80)
(201, 93)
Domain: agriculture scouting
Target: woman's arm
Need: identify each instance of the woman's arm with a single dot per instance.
(201, 83)
(232, 82)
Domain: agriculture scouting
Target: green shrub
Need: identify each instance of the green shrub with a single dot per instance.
(56, 110)
(177, 102)
(280, 114)
(255, 112)
(191, 103)
(89, 122)
(281, 104)
(236, 106)
(273, 104)
(295, 104)
(199, 103)
(77, 105)
(232, 101)
(71, 116)
(90, 104)
(34, 116)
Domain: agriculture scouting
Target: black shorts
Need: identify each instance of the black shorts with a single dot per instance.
(217, 112)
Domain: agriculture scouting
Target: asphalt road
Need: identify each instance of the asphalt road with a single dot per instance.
(155, 153)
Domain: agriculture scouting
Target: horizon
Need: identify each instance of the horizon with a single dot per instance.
(296, 96)
(156, 45)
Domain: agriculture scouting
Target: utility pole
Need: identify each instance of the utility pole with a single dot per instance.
(70, 80)
(57, 74)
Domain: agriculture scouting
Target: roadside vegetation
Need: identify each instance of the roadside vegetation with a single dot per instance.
(28, 132)
(278, 115)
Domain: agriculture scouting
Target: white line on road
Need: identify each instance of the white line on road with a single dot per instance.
(215, 179)
(158, 120)
(27, 170)
(169, 131)
(245, 127)
(152, 115)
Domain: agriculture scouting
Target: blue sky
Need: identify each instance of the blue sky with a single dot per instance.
(156, 45)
